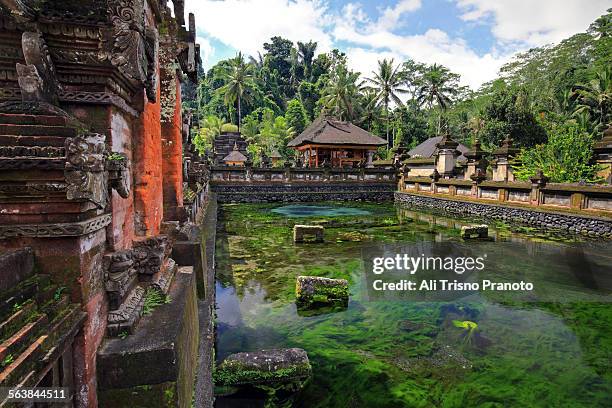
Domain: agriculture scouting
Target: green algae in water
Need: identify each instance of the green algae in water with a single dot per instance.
(411, 354)
(317, 211)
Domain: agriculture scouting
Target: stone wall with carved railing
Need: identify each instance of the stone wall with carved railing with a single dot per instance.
(575, 208)
(296, 184)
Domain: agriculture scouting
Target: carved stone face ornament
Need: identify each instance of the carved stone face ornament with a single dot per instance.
(85, 170)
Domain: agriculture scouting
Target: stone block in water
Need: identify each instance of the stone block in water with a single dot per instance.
(265, 367)
(308, 233)
(313, 291)
(474, 231)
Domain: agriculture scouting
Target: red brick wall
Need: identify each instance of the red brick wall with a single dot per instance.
(172, 146)
(147, 169)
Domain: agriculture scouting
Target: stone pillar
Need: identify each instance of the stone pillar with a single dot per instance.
(369, 163)
(476, 160)
(603, 155)
(478, 177)
(502, 169)
(537, 182)
(447, 156)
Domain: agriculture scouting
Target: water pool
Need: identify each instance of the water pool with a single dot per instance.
(405, 353)
(306, 210)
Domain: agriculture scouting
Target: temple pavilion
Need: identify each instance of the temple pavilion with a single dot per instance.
(338, 143)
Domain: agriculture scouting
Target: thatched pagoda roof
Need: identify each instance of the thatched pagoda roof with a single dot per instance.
(328, 131)
(235, 155)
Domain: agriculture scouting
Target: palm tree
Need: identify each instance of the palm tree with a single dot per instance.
(306, 53)
(388, 83)
(436, 89)
(369, 110)
(595, 98)
(239, 83)
(257, 62)
(340, 93)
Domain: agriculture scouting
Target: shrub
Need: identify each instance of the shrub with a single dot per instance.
(565, 158)
(229, 128)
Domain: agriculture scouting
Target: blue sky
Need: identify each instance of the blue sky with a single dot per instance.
(472, 37)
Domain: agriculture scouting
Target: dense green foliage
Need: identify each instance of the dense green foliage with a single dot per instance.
(535, 94)
(565, 158)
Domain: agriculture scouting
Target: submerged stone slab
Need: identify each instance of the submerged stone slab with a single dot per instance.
(313, 291)
(474, 231)
(280, 366)
(308, 233)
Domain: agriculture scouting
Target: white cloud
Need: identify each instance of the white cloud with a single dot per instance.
(390, 16)
(516, 24)
(246, 24)
(206, 49)
(534, 22)
(434, 46)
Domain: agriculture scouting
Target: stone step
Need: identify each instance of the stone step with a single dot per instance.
(20, 340)
(44, 349)
(125, 318)
(162, 280)
(32, 151)
(15, 140)
(24, 119)
(37, 130)
(15, 370)
(16, 320)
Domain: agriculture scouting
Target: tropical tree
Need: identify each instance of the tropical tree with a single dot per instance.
(306, 53)
(340, 94)
(595, 98)
(370, 112)
(296, 116)
(388, 82)
(210, 128)
(439, 85)
(239, 83)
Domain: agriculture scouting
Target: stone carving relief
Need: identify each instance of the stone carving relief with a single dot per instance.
(119, 174)
(85, 171)
(150, 253)
(124, 45)
(37, 79)
(119, 276)
(152, 49)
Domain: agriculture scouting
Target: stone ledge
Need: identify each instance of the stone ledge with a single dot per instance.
(154, 353)
(565, 222)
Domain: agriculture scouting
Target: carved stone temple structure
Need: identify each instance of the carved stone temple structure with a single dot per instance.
(92, 139)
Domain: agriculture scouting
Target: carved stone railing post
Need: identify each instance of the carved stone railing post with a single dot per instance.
(603, 155)
(502, 169)
(476, 159)
(447, 156)
(478, 177)
(537, 183)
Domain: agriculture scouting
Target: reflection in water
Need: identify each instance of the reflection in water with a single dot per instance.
(390, 353)
(317, 211)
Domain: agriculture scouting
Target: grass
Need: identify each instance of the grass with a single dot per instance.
(153, 299)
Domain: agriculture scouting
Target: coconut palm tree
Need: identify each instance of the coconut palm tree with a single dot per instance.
(239, 83)
(595, 98)
(436, 89)
(339, 94)
(306, 53)
(388, 82)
